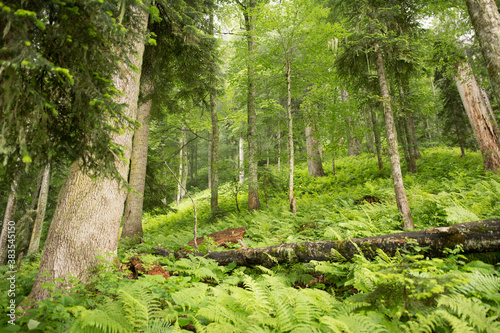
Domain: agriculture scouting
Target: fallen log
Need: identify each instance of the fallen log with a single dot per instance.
(474, 237)
(223, 237)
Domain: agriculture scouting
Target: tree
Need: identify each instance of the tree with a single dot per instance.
(9, 213)
(87, 219)
(485, 18)
(40, 213)
(248, 9)
(484, 127)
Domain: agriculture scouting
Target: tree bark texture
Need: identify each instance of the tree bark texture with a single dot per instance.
(314, 164)
(87, 218)
(474, 237)
(214, 165)
(479, 117)
(486, 21)
(40, 212)
(241, 160)
(392, 143)
(8, 216)
(132, 222)
(291, 158)
(253, 185)
(378, 144)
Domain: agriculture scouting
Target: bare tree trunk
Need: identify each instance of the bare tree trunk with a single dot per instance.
(378, 144)
(486, 21)
(209, 169)
(253, 185)
(214, 165)
(7, 218)
(473, 237)
(40, 214)
(86, 222)
(241, 160)
(314, 164)
(132, 223)
(353, 143)
(406, 136)
(479, 117)
(392, 143)
(292, 200)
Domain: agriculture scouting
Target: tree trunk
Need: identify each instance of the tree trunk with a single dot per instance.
(209, 169)
(353, 143)
(10, 210)
(291, 159)
(474, 237)
(40, 213)
(214, 165)
(314, 164)
(408, 143)
(279, 149)
(241, 160)
(378, 144)
(479, 117)
(392, 143)
(132, 223)
(486, 21)
(87, 218)
(253, 185)
(413, 135)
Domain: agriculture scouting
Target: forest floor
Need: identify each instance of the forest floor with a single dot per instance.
(407, 292)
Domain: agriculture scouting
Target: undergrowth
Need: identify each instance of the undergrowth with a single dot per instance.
(404, 293)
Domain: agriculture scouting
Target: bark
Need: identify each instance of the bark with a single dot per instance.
(182, 167)
(479, 116)
(378, 145)
(413, 135)
(291, 159)
(314, 164)
(209, 171)
(87, 218)
(7, 218)
(241, 160)
(392, 143)
(486, 21)
(132, 223)
(406, 136)
(353, 143)
(474, 237)
(222, 237)
(40, 213)
(214, 165)
(214, 174)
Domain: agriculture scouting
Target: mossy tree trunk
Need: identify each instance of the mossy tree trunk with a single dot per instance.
(10, 209)
(87, 218)
(473, 237)
(314, 164)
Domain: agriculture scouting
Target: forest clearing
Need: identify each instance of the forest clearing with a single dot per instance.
(250, 166)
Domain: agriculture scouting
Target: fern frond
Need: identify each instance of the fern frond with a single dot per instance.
(110, 319)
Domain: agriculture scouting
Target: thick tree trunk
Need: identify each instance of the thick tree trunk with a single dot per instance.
(132, 222)
(392, 143)
(241, 160)
(314, 164)
(479, 117)
(40, 213)
(486, 21)
(473, 237)
(291, 158)
(413, 135)
(10, 210)
(253, 185)
(86, 222)
(378, 144)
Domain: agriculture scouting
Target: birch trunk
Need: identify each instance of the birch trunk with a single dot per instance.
(392, 143)
(480, 118)
(7, 218)
(40, 213)
(86, 222)
(132, 223)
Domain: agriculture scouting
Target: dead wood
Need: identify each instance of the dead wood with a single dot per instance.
(223, 237)
(474, 237)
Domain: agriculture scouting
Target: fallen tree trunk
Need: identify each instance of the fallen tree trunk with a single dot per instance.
(474, 237)
(222, 237)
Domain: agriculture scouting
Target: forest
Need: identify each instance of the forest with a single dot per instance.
(250, 166)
